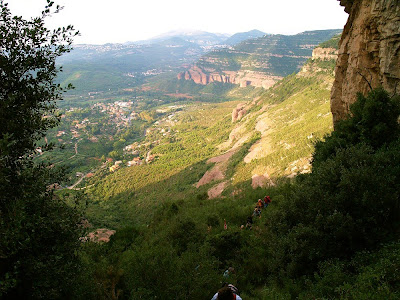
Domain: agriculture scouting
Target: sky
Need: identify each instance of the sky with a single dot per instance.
(119, 21)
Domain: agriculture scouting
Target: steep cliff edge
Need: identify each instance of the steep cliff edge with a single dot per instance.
(369, 52)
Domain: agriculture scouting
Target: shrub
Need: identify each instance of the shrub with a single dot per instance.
(350, 201)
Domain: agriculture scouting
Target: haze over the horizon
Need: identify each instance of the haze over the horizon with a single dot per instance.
(121, 21)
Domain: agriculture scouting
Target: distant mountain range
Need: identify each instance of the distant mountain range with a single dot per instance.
(114, 66)
(201, 38)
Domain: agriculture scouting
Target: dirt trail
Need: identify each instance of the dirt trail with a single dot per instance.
(75, 149)
(72, 187)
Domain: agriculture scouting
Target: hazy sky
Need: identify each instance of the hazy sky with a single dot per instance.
(118, 21)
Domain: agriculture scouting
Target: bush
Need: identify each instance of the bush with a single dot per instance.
(350, 201)
(372, 121)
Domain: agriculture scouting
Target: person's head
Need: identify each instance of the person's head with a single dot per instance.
(225, 293)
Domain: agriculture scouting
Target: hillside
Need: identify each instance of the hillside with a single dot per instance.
(259, 62)
(142, 185)
(247, 145)
(209, 165)
(94, 68)
(183, 188)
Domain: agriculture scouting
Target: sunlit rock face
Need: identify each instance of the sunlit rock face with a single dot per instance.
(242, 78)
(369, 53)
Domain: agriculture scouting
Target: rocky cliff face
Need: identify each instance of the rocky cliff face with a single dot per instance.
(319, 54)
(324, 53)
(369, 52)
(242, 78)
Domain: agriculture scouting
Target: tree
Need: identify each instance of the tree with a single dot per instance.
(39, 235)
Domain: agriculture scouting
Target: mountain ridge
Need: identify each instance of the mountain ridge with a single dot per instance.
(259, 62)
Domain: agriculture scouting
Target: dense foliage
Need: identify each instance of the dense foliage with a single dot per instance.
(39, 232)
(350, 201)
(330, 234)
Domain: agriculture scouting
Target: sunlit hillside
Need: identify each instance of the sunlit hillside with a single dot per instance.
(201, 151)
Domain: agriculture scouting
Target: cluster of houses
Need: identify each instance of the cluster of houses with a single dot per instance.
(116, 166)
(121, 113)
(136, 161)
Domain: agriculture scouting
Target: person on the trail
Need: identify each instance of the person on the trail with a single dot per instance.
(249, 222)
(225, 225)
(257, 212)
(267, 201)
(260, 204)
(228, 272)
(227, 292)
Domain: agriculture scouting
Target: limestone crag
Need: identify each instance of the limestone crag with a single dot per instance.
(324, 53)
(238, 112)
(369, 52)
(242, 78)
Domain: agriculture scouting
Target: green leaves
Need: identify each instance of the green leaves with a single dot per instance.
(350, 202)
(39, 232)
(28, 51)
(373, 121)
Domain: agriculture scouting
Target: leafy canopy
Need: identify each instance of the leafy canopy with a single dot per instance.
(39, 232)
(373, 120)
(28, 52)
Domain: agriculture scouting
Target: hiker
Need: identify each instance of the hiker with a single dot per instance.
(260, 204)
(249, 222)
(257, 212)
(227, 292)
(267, 201)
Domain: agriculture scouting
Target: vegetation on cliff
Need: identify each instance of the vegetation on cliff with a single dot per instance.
(278, 55)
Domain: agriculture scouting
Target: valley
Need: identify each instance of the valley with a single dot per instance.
(168, 161)
(175, 165)
(142, 144)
